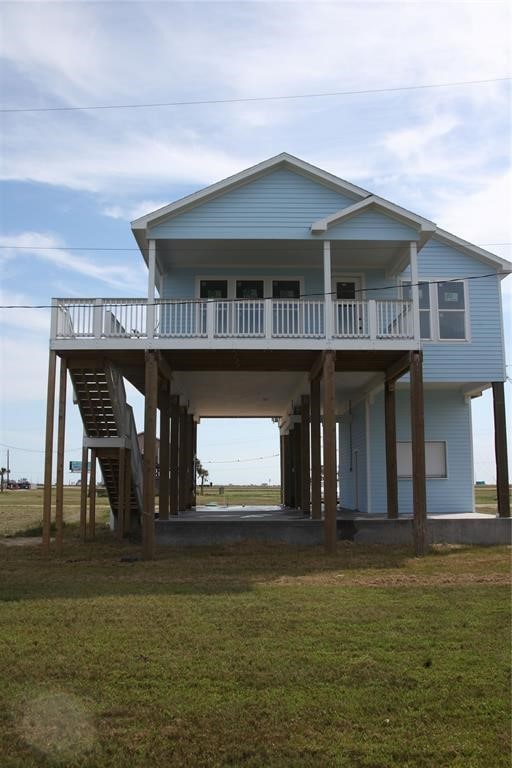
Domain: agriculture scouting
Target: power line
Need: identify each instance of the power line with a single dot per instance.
(286, 97)
(240, 461)
(36, 450)
(322, 294)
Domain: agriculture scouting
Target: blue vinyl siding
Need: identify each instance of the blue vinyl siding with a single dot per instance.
(280, 204)
(352, 436)
(448, 418)
(371, 225)
(482, 357)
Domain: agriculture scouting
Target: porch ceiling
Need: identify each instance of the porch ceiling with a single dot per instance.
(246, 383)
(172, 254)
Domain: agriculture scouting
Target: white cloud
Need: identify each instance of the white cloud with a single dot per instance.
(25, 364)
(23, 317)
(134, 211)
(47, 247)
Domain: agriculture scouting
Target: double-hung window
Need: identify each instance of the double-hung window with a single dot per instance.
(443, 308)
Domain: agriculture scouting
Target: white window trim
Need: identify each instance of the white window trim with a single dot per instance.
(433, 282)
(428, 477)
(232, 280)
(342, 277)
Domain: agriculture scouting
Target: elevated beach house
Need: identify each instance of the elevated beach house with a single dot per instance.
(286, 292)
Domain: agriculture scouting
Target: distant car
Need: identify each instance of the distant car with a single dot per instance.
(11, 485)
(23, 483)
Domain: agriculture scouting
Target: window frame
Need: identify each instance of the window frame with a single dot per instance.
(427, 476)
(232, 279)
(433, 285)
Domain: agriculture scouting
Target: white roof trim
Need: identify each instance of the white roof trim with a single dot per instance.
(425, 225)
(239, 178)
(503, 265)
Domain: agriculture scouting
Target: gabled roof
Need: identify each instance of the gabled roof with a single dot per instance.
(425, 226)
(284, 160)
(364, 200)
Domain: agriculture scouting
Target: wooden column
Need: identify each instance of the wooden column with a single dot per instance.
(182, 469)
(163, 500)
(194, 455)
(61, 432)
(419, 493)
(48, 458)
(329, 450)
(83, 494)
(500, 447)
(291, 452)
(127, 516)
(287, 471)
(121, 495)
(297, 479)
(92, 497)
(174, 457)
(305, 456)
(316, 456)
(391, 465)
(190, 461)
(148, 512)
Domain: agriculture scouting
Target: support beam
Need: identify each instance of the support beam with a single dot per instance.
(316, 456)
(328, 313)
(282, 468)
(398, 368)
(500, 447)
(305, 456)
(92, 497)
(148, 512)
(182, 469)
(391, 461)
(48, 458)
(419, 494)
(150, 315)
(121, 495)
(163, 497)
(329, 399)
(174, 457)
(61, 433)
(297, 478)
(193, 467)
(288, 476)
(83, 494)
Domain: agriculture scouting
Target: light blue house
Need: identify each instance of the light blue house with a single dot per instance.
(286, 292)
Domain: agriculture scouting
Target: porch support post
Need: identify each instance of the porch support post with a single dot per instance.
(83, 494)
(329, 451)
(316, 458)
(327, 289)
(163, 498)
(282, 471)
(61, 432)
(287, 471)
(127, 516)
(298, 466)
(121, 496)
(291, 452)
(92, 497)
(182, 468)
(193, 490)
(305, 455)
(415, 291)
(391, 465)
(150, 316)
(419, 495)
(48, 459)
(148, 511)
(500, 447)
(174, 456)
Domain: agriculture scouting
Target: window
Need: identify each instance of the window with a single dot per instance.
(213, 289)
(249, 289)
(452, 311)
(285, 289)
(443, 308)
(424, 295)
(435, 459)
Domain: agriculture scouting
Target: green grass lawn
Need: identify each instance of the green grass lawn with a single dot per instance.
(251, 655)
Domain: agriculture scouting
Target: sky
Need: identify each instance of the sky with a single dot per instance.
(75, 179)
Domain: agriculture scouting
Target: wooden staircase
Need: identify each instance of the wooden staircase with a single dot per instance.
(109, 423)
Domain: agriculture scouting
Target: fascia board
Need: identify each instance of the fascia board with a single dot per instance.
(473, 250)
(238, 179)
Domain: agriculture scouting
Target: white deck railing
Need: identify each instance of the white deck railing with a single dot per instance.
(239, 319)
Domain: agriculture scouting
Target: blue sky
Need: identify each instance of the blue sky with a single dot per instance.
(78, 178)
